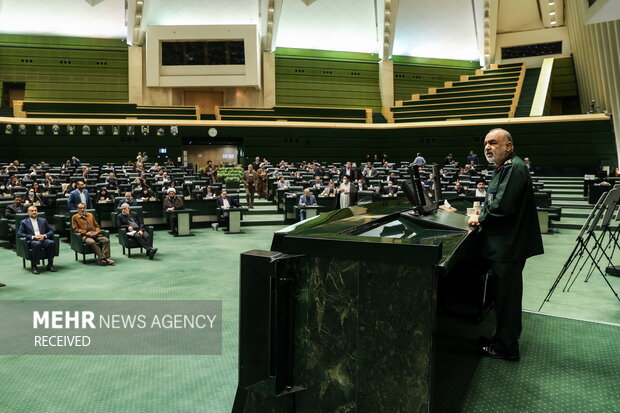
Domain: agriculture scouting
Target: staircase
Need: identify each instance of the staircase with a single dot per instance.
(530, 82)
(489, 93)
(264, 213)
(567, 193)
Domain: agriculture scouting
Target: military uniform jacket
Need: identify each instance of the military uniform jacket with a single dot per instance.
(509, 220)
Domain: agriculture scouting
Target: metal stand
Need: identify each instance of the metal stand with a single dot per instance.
(604, 209)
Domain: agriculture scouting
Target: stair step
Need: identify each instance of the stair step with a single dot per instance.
(262, 219)
(562, 179)
(265, 206)
(568, 198)
(581, 215)
(573, 206)
(564, 187)
(561, 225)
(564, 191)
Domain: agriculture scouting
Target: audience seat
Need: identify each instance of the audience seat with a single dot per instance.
(77, 245)
(21, 244)
(128, 242)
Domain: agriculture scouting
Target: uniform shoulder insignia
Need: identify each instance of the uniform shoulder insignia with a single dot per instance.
(508, 161)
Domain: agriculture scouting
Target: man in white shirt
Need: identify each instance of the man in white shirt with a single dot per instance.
(39, 236)
(329, 191)
(369, 171)
(79, 195)
(419, 161)
(224, 202)
(283, 183)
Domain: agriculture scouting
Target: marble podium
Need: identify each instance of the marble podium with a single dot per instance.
(340, 315)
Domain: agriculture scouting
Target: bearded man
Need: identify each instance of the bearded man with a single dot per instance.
(509, 235)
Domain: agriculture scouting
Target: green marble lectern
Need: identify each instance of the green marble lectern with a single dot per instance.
(340, 315)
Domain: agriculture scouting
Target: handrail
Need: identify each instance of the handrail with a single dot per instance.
(542, 88)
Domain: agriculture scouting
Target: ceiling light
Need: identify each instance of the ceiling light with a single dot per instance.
(551, 3)
(551, 13)
(553, 22)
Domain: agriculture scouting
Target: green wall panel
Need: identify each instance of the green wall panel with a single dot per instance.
(332, 79)
(559, 146)
(66, 68)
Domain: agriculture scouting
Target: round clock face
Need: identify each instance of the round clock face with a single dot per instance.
(212, 132)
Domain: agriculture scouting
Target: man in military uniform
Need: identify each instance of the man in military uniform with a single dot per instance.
(250, 179)
(509, 235)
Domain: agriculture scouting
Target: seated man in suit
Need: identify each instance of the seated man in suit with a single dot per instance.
(40, 237)
(283, 183)
(208, 192)
(361, 185)
(369, 171)
(317, 184)
(111, 181)
(480, 190)
(390, 189)
(79, 195)
(86, 225)
(329, 191)
(225, 202)
(129, 199)
(131, 221)
(9, 213)
(307, 199)
(458, 188)
(173, 203)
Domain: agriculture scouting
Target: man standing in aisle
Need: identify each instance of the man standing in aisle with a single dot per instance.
(250, 178)
(509, 234)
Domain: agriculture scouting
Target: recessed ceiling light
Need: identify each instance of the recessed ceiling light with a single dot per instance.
(551, 3)
(552, 13)
(553, 22)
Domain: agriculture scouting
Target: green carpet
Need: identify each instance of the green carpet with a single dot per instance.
(203, 267)
(590, 301)
(567, 365)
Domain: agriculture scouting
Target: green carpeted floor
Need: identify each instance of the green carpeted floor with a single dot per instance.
(567, 365)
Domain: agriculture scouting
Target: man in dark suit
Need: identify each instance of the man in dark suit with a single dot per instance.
(130, 220)
(173, 203)
(225, 202)
(40, 237)
(9, 213)
(390, 189)
(347, 170)
(510, 235)
(79, 195)
(128, 199)
(307, 199)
